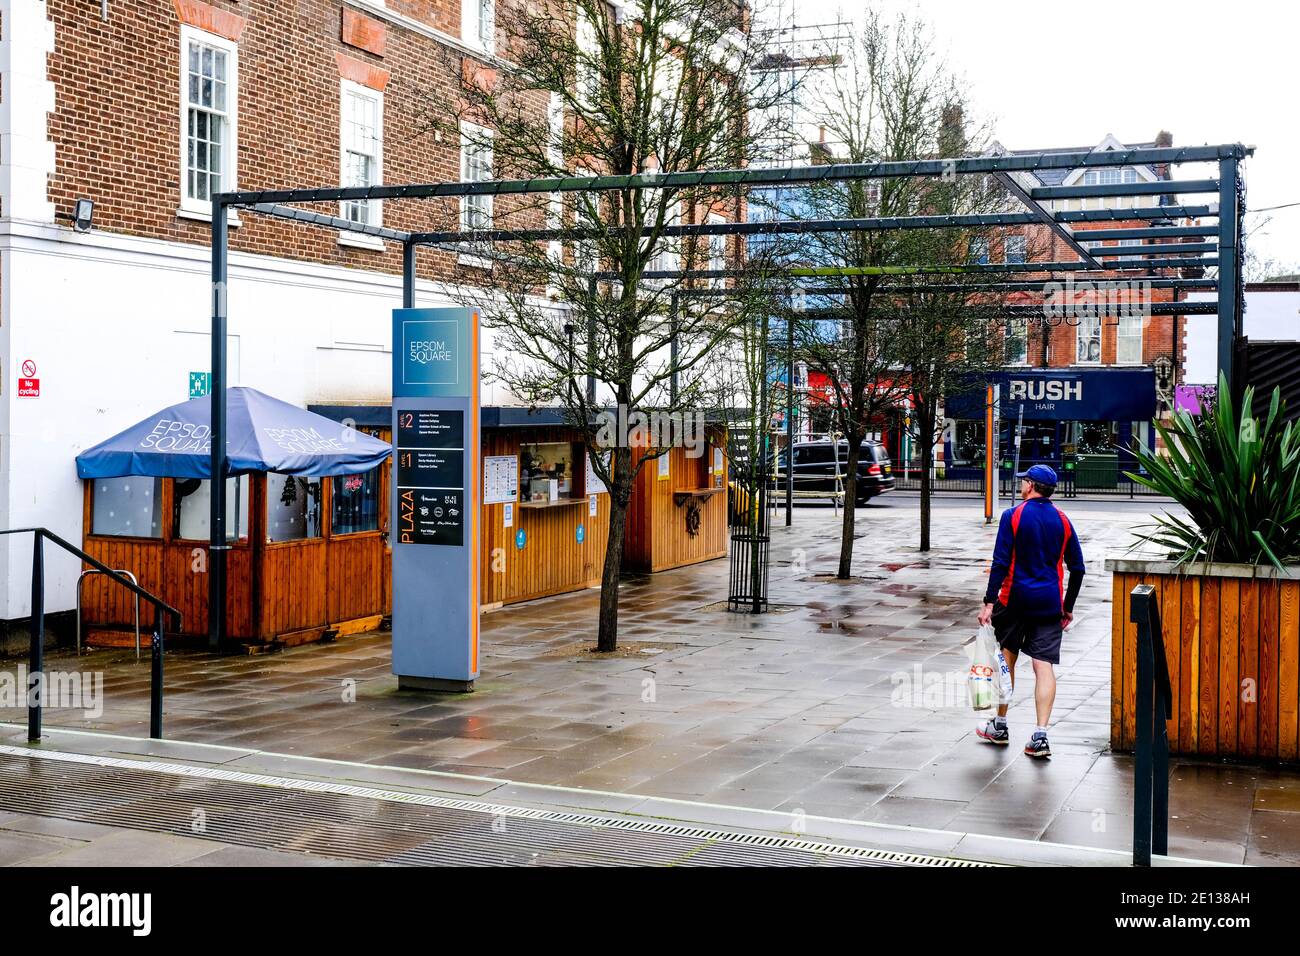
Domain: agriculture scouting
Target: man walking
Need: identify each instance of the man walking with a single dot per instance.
(1028, 601)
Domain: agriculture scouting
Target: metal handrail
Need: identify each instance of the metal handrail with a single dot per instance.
(36, 652)
(134, 580)
(1154, 706)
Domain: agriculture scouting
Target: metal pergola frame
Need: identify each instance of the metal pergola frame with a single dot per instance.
(278, 203)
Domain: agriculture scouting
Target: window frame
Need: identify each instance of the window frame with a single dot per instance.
(349, 88)
(1023, 254)
(1078, 340)
(471, 24)
(714, 219)
(189, 206)
(381, 525)
(471, 135)
(160, 486)
(586, 43)
(1127, 316)
(1022, 324)
(240, 539)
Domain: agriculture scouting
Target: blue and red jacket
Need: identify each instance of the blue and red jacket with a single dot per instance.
(1036, 544)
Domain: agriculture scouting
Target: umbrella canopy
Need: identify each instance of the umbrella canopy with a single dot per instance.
(262, 434)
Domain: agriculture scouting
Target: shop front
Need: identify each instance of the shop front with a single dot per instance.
(1082, 422)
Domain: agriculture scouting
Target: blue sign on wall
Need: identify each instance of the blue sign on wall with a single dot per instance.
(1070, 394)
(580, 534)
(521, 539)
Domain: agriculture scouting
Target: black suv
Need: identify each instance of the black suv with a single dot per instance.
(815, 468)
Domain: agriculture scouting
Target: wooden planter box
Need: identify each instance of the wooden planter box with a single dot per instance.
(1232, 639)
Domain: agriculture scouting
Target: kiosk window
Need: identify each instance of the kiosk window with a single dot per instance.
(293, 508)
(356, 503)
(131, 507)
(191, 508)
(546, 471)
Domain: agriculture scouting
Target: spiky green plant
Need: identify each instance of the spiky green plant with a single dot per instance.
(1238, 478)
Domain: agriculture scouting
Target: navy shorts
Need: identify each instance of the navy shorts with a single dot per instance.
(1040, 638)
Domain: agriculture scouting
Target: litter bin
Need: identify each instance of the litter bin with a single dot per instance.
(1096, 471)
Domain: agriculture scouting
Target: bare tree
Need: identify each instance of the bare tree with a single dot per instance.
(650, 86)
(894, 100)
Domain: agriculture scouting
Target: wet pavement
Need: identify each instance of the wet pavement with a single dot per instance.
(846, 701)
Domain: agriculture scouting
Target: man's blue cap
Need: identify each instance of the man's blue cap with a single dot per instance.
(1043, 474)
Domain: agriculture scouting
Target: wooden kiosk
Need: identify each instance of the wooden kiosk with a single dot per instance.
(678, 514)
(308, 556)
(311, 557)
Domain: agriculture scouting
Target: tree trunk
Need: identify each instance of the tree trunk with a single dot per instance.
(845, 570)
(607, 634)
(620, 499)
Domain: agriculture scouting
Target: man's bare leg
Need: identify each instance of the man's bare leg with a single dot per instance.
(1044, 690)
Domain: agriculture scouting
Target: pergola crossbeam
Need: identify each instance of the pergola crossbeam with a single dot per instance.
(333, 222)
(840, 272)
(1009, 183)
(779, 176)
(1160, 187)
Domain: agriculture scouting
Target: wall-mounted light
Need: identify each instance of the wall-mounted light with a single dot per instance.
(82, 216)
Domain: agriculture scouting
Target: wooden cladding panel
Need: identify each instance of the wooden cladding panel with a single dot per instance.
(354, 577)
(292, 596)
(657, 536)
(552, 560)
(1233, 649)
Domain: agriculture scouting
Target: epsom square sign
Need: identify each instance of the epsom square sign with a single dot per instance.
(436, 493)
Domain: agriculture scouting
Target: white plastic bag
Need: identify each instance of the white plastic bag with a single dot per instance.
(1005, 687)
(982, 682)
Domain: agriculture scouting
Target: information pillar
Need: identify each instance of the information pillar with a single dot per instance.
(435, 498)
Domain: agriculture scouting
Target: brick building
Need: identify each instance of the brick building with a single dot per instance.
(146, 108)
(1087, 382)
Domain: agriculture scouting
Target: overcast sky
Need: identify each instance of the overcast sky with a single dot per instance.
(1063, 74)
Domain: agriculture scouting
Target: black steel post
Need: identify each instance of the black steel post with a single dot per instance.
(591, 344)
(217, 545)
(156, 678)
(36, 652)
(1160, 782)
(571, 388)
(1229, 266)
(1144, 707)
(789, 422)
(408, 275)
(759, 458)
(672, 352)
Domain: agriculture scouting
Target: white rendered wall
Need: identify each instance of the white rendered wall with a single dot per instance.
(114, 325)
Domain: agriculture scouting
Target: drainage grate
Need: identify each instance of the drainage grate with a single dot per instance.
(370, 824)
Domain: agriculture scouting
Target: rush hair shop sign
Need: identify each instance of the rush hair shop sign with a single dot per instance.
(1101, 394)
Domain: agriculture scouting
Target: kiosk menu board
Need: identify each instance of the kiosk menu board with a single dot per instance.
(436, 492)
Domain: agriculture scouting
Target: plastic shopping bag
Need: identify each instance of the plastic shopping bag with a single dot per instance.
(982, 679)
(1005, 687)
(989, 680)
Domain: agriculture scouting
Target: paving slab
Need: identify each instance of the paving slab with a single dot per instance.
(822, 708)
